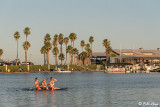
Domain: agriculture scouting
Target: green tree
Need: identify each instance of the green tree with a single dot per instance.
(70, 51)
(75, 52)
(48, 45)
(44, 51)
(26, 46)
(61, 57)
(83, 56)
(72, 38)
(55, 52)
(17, 36)
(82, 44)
(1, 53)
(91, 40)
(26, 32)
(55, 40)
(60, 40)
(66, 40)
(106, 43)
(89, 52)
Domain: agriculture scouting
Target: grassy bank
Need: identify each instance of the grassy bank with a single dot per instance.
(34, 68)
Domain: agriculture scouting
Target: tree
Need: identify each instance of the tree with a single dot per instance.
(26, 46)
(70, 51)
(82, 44)
(26, 32)
(89, 52)
(60, 40)
(106, 43)
(75, 52)
(61, 57)
(44, 51)
(17, 36)
(55, 40)
(48, 45)
(55, 52)
(83, 56)
(1, 53)
(72, 38)
(91, 40)
(66, 40)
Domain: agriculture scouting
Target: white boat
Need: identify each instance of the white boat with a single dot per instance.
(63, 71)
(115, 70)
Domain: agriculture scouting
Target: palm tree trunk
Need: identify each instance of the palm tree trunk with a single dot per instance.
(66, 55)
(61, 54)
(44, 58)
(26, 56)
(91, 48)
(70, 59)
(56, 59)
(26, 51)
(74, 60)
(17, 52)
(106, 59)
(48, 57)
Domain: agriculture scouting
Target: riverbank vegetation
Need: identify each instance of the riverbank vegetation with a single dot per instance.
(36, 68)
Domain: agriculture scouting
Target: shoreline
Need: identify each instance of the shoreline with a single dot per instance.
(53, 71)
(70, 72)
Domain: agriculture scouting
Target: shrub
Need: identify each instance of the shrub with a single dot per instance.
(92, 67)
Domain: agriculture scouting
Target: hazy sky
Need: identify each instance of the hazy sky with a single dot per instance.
(132, 23)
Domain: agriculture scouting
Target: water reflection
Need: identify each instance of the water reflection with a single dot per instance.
(36, 96)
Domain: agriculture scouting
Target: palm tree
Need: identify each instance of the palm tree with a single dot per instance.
(70, 51)
(61, 57)
(55, 52)
(1, 53)
(82, 44)
(48, 45)
(26, 32)
(89, 52)
(108, 51)
(26, 46)
(66, 40)
(72, 38)
(83, 56)
(106, 43)
(55, 40)
(60, 40)
(91, 40)
(17, 36)
(44, 51)
(75, 52)
(47, 38)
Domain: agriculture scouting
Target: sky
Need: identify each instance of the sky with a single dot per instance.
(132, 23)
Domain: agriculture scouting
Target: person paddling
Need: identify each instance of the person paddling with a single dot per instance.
(36, 84)
(52, 81)
(44, 85)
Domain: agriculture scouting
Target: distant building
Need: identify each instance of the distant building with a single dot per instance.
(133, 56)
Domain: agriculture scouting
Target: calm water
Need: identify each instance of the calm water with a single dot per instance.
(95, 89)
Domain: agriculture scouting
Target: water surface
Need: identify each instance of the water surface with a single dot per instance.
(93, 89)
